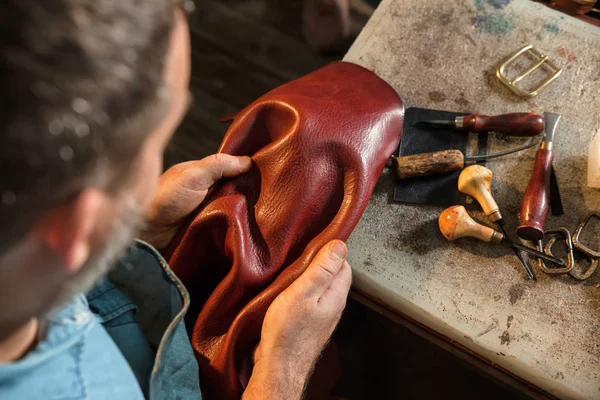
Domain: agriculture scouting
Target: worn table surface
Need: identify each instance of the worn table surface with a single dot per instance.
(442, 54)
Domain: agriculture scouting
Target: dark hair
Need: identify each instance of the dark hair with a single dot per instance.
(80, 88)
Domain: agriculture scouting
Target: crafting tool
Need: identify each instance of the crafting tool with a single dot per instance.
(454, 223)
(441, 161)
(542, 60)
(514, 124)
(437, 189)
(536, 200)
(476, 181)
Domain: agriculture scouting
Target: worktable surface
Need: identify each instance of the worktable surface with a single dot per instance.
(443, 54)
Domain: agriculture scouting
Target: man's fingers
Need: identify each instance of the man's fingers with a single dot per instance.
(206, 172)
(337, 292)
(322, 270)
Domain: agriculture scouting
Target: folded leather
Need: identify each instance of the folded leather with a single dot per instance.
(318, 145)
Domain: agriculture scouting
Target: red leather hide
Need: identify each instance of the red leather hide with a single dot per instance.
(319, 145)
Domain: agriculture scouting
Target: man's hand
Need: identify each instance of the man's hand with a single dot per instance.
(180, 191)
(298, 325)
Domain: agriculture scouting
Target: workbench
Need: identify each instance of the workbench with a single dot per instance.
(443, 55)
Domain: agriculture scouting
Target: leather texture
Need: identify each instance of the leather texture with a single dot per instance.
(319, 145)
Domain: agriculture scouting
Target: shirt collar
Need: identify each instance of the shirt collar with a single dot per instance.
(57, 332)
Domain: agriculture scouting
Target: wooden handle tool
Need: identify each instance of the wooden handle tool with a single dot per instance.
(439, 162)
(536, 200)
(455, 223)
(513, 124)
(428, 163)
(476, 181)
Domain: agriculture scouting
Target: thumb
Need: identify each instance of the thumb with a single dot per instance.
(204, 173)
(322, 270)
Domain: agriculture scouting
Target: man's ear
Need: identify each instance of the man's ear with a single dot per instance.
(67, 228)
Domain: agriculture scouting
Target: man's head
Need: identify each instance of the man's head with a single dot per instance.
(92, 92)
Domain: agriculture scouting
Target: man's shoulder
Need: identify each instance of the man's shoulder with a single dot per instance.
(74, 358)
(161, 302)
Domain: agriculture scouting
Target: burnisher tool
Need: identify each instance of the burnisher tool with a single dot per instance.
(455, 223)
(476, 181)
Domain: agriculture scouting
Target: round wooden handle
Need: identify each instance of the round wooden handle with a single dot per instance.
(536, 199)
(514, 124)
(455, 222)
(476, 181)
(428, 163)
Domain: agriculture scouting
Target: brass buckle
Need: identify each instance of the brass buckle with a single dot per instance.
(584, 249)
(511, 84)
(554, 233)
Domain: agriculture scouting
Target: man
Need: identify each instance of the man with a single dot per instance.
(92, 91)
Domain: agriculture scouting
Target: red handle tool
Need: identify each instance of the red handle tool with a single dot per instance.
(536, 200)
(514, 124)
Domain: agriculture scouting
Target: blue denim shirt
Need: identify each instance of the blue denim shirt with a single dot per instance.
(126, 340)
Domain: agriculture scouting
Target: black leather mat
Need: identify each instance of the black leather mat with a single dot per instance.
(438, 189)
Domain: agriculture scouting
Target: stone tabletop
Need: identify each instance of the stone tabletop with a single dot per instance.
(443, 54)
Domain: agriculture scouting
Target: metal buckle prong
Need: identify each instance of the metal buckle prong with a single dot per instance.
(529, 70)
(511, 84)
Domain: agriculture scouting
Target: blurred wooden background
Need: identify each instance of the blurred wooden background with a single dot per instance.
(241, 50)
